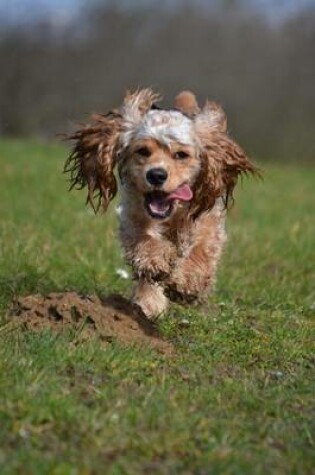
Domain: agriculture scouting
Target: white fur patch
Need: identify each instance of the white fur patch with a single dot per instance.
(164, 126)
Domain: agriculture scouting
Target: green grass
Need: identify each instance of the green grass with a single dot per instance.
(238, 395)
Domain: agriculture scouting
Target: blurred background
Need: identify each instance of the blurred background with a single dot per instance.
(63, 59)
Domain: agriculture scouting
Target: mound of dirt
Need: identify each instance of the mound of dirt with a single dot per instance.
(111, 318)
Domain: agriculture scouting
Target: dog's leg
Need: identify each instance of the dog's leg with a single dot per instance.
(150, 258)
(194, 273)
(150, 298)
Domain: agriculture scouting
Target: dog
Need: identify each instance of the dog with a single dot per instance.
(177, 169)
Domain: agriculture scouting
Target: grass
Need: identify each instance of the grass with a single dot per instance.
(238, 396)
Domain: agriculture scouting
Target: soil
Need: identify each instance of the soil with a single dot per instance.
(113, 318)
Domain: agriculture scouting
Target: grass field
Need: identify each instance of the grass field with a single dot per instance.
(238, 395)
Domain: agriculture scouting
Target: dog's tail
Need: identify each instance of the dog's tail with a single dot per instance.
(186, 102)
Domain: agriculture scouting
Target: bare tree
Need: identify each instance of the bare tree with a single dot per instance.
(262, 72)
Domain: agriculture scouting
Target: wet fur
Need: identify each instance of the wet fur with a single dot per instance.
(176, 258)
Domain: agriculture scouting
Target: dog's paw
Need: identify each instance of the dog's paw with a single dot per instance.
(150, 298)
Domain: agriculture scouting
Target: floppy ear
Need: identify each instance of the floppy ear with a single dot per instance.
(222, 159)
(92, 160)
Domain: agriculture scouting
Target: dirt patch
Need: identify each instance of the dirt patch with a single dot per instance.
(111, 318)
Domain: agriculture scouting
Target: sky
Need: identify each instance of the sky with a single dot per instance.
(13, 11)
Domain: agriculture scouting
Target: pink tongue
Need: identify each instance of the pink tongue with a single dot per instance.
(182, 193)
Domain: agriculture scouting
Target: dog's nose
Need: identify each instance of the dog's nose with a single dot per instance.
(156, 176)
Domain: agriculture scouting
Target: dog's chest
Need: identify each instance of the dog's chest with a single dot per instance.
(181, 234)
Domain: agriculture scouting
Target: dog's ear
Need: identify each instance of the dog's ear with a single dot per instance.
(222, 159)
(93, 158)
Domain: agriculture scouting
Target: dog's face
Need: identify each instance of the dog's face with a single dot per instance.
(167, 159)
(161, 162)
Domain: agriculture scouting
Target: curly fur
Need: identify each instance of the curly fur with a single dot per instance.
(172, 232)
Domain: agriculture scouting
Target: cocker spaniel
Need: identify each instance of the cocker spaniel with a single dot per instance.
(177, 169)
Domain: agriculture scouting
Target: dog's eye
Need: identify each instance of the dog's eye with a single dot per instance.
(181, 155)
(143, 151)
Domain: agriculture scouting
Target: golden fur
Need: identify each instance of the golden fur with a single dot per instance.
(177, 171)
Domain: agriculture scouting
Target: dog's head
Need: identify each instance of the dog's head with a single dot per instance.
(169, 159)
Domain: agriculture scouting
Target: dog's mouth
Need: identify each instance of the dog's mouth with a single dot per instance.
(160, 204)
